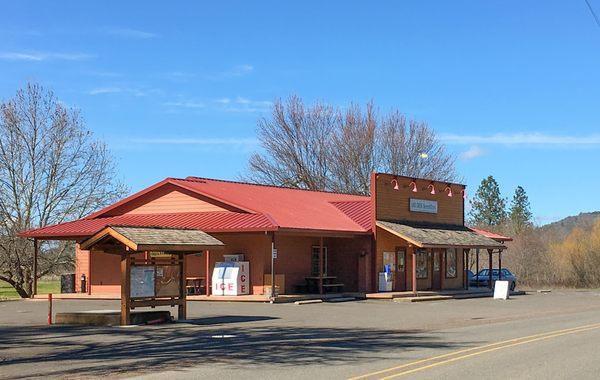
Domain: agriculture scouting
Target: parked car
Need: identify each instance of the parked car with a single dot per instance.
(471, 278)
(483, 278)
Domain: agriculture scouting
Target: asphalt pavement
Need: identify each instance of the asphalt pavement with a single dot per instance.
(533, 336)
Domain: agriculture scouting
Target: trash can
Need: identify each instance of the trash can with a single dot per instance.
(385, 282)
(67, 283)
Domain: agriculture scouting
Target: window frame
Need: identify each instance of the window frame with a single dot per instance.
(423, 253)
(446, 262)
(325, 261)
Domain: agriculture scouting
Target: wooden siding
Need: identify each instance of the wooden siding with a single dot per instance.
(347, 260)
(82, 262)
(170, 199)
(175, 201)
(387, 242)
(393, 205)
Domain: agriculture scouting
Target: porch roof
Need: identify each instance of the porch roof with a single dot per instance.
(155, 239)
(434, 236)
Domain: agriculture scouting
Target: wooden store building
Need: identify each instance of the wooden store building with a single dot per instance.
(408, 235)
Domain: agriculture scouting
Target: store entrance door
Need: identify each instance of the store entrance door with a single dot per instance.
(436, 277)
(400, 285)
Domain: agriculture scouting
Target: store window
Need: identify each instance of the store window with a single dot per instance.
(421, 263)
(314, 262)
(450, 263)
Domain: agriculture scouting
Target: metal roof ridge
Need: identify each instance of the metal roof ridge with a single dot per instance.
(199, 179)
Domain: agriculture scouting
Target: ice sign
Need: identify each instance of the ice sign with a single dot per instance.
(231, 278)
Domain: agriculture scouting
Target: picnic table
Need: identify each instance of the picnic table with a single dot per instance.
(330, 284)
(195, 285)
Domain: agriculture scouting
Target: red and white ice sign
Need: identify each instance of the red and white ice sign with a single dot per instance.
(231, 278)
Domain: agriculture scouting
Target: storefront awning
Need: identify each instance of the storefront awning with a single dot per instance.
(155, 239)
(435, 236)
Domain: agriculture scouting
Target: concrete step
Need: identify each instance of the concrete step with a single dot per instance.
(308, 302)
(341, 299)
(422, 299)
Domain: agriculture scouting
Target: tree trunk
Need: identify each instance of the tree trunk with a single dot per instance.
(21, 291)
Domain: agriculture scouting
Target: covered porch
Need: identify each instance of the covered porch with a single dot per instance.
(428, 257)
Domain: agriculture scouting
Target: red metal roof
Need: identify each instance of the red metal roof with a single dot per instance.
(257, 207)
(358, 211)
(289, 208)
(491, 235)
(205, 221)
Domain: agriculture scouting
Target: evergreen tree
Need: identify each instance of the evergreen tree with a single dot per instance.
(520, 212)
(488, 208)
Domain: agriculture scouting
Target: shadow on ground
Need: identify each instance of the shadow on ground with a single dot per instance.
(85, 351)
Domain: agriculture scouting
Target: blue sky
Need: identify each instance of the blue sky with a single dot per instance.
(511, 86)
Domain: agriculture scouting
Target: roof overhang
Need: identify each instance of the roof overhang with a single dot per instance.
(436, 236)
(140, 239)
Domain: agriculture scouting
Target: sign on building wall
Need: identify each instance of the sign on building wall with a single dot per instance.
(423, 205)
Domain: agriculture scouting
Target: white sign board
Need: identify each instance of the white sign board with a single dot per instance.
(231, 278)
(274, 253)
(142, 281)
(423, 205)
(501, 290)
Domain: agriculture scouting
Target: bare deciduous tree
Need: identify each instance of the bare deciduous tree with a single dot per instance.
(327, 148)
(297, 140)
(51, 170)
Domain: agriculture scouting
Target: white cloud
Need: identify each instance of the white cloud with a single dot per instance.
(43, 56)
(471, 153)
(522, 139)
(241, 104)
(185, 104)
(130, 33)
(122, 90)
(234, 72)
(240, 70)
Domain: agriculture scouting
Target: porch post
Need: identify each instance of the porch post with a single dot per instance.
(89, 277)
(500, 264)
(182, 307)
(414, 270)
(125, 290)
(207, 283)
(490, 251)
(466, 267)
(34, 269)
(477, 267)
(273, 266)
(442, 267)
(321, 265)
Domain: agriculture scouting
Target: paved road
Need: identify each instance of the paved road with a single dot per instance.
(535, 336)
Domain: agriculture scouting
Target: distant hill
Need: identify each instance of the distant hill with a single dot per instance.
(563, 227)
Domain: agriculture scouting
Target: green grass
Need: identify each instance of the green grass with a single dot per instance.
(44, 287)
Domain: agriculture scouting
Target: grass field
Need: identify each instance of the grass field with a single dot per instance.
(44, 287)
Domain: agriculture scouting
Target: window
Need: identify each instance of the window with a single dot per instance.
(314, 262)
(450, 263)
(421, 263)
(401, 260)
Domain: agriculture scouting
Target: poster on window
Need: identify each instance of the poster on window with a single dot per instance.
(421, 264)
(167, 280)
(450, 263)
(142, 281)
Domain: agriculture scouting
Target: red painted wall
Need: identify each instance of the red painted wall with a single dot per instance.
(348, 260)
